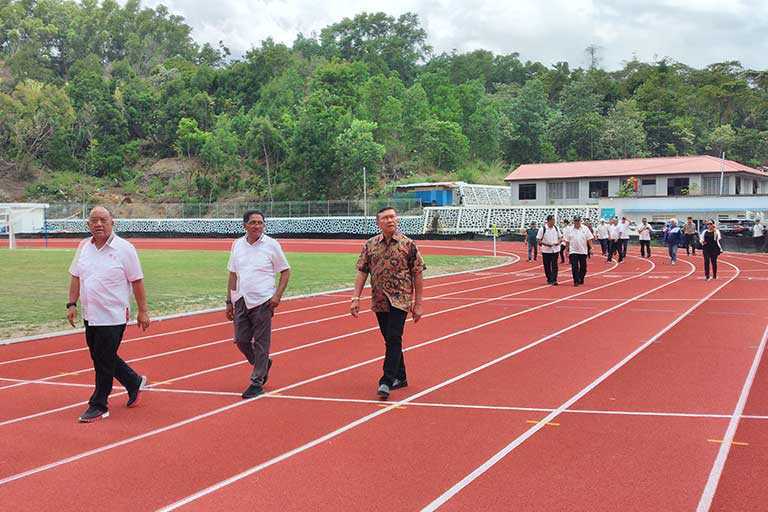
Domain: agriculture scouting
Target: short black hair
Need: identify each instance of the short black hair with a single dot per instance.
(385, 209)
(550, 217)
(248, 213)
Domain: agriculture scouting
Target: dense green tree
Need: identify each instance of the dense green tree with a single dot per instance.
(623, 134)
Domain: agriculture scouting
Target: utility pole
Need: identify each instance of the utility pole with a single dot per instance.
(722, 172)
(365, 193)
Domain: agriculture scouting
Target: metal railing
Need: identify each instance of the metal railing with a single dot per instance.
(353, 208)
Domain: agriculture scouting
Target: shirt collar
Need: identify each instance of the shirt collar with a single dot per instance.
(107, 244)
(397, 237)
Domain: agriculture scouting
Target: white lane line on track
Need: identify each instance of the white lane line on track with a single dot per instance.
(705, 502)
(235, 405)
(284, 351)
(498, 456)
(394, 405)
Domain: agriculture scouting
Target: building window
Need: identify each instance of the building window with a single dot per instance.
(571, 189)
(710, 185)
(677, 186)
(555, 190)
(738, 185)
(647, 182)
(526, 191)
(598, 189)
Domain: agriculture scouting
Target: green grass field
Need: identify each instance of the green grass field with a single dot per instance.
(34, 282)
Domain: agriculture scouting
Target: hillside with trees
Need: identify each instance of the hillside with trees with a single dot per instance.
(96, 97)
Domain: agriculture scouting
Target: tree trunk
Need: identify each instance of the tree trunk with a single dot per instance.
(269, 175)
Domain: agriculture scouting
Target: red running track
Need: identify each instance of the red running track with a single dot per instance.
(613, 396)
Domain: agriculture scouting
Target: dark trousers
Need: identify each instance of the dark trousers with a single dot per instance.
(604, 246)
(759, 242)
(550, 266)
(690, 243)
(613, 248)
(562, 254)
(622, 248)
(645, 248)
(533, 249)
(103, 342)
(710, 259)
(253, 335)
(391, 324)
(578, 267)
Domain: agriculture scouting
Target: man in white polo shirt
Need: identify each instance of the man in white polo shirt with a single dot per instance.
(758, 235)
(579, 246)
(613, 238)
(550, 238)
(103, 272)
(602, 236)
(623, 238)
(252, 297)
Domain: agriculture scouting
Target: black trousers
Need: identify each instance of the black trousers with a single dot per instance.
(613, 248)
(622, 248)
(690, 243)
(103, 342)
(759, 242)
(391, 324)
(710, 259)
(562, 254)
(604, 246)
(645, 248)
(550, 266)
(578, 267)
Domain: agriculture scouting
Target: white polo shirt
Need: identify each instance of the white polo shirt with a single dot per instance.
(549, 236)
(613, 231)
(577, 240)
(758, 230)
(645, 232)
(105, 276)
(624, 230)
(256, 266)
(602, 231)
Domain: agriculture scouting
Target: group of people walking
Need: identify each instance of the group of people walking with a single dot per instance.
(106, 269)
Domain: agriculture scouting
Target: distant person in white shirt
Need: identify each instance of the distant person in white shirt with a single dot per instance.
(578, 239)
(613, 238)
(645, 231)
(550, 239)
(602, 236)
(623, 238)
(565, 229)
(103, 272)
(254, 262)
(758, 235)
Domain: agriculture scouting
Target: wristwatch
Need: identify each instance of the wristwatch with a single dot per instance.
(70, 304)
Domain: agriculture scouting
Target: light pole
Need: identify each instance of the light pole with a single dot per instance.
(365, 193)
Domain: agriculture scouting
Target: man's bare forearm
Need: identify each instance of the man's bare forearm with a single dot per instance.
(74, 289)
(360, 280)
(140, 294)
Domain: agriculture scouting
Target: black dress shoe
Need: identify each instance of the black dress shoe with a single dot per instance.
(93, 414)
(133, 396)
(397, 384)
(253, 391)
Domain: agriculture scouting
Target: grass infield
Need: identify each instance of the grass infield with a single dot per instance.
(34, 282)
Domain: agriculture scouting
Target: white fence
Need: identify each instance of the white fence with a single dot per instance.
(480, 219)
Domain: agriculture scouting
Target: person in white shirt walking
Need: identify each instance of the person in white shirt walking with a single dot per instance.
(602, 236)
(252, 297)
(103, 272)
(623, 238)
(758, 235)
(578, 239)
(613, 239)
(645, 231)
(550, 240)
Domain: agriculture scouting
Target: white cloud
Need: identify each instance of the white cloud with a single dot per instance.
(696, 32)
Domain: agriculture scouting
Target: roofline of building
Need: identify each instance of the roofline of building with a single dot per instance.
(753, 172)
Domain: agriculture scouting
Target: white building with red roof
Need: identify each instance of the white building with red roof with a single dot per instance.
(698, 186)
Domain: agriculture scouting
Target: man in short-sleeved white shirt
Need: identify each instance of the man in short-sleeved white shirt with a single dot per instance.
(758, 235)
(578, 239)
(613, 238)
(550, 238)
(252, 297)
(103, 272)
(602, 236)
(623, 238)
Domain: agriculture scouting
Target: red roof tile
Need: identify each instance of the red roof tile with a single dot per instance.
(629, 167)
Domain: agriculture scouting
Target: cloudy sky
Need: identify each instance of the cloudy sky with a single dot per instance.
(696, 32)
